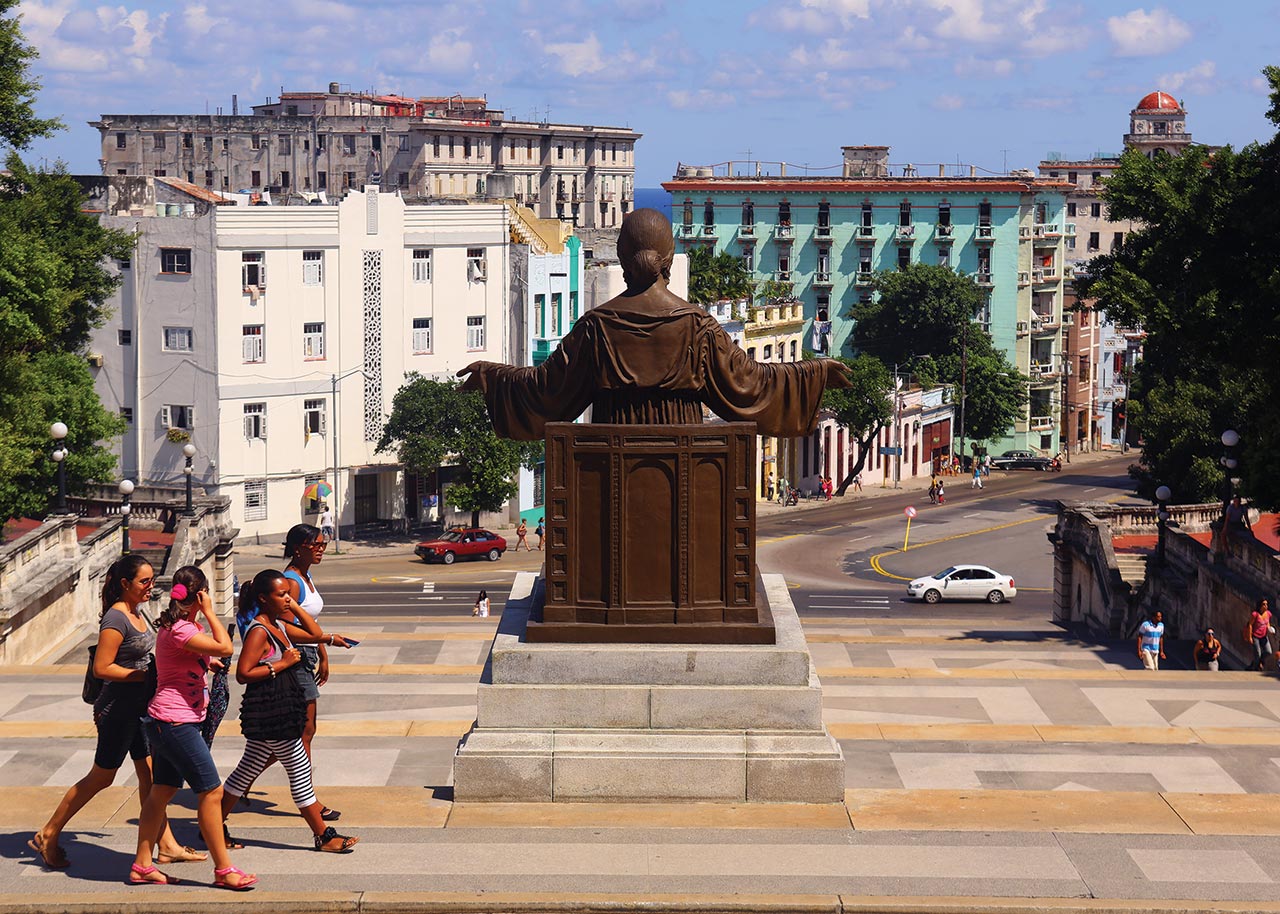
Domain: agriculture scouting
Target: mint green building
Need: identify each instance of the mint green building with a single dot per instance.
(829, 235)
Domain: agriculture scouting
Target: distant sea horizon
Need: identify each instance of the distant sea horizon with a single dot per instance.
(654, 198)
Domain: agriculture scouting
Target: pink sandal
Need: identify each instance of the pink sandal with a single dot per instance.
(141, 875)
(246, 881)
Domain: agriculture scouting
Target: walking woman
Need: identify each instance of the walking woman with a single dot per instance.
(273, 712)
(304, 546)
(122, 660)
(482, 605)
(174, 727)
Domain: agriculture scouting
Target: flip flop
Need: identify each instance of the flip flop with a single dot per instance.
(188, 855)
(141, 875)
(54, 859)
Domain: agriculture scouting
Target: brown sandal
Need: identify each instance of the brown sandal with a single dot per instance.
(55, 858)
(187, 855)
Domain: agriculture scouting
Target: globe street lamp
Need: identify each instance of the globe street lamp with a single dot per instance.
(189, 451)
(58, 432)
(1230, 439)
(126, 490)
(1163, 494)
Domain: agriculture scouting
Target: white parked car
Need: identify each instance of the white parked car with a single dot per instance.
(964, 582)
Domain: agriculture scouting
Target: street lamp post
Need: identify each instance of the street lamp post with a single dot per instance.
(333, 416)
(58, 432)
(189, 452)
(126, 490)
(1230, 439)
(1163, 494)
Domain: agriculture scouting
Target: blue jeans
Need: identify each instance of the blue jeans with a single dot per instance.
(179, 753)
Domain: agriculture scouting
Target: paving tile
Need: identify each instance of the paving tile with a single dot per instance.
(1226, 814)
(649, 815)
(1199, 866)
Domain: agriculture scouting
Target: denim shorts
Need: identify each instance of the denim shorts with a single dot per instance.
(179, 753)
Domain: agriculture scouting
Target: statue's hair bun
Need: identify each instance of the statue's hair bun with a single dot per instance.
(648, 265)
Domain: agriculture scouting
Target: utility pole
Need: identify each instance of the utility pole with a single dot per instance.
(897, 428)
(964, 377)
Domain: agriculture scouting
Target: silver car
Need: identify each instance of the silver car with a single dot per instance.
(964, 582)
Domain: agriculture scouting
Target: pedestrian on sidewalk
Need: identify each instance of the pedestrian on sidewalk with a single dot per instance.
(174, 725)
(933, 488)
(1207, 650)
(942, 495)
(857, 483)
(1151, 641)
(522, 536)
(541, 532)
(768, 488)
(481, 608)
(1258, 631)
(986, 464)
(326, 521)
(273, 710)
(782, 489)
(123, 666)
(828, 487)
(977, 475)
(304, 547)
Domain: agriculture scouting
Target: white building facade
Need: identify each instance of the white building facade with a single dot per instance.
(301, 324)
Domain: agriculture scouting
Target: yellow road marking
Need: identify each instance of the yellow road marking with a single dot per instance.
(875, 559)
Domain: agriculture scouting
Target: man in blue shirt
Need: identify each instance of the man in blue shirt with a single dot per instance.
(1151, 641)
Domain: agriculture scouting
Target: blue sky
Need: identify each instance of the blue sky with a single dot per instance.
(986, 82)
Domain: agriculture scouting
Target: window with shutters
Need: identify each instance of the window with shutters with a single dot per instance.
(253, 270)
(286, 144)
(313, 416)
(475, 333)
(312, 268)
(313, 341)
(255, 421)
(475, 265)
(254, 343)
(177, 415)
(177, 339)
(421, 335)
(255, 141)
(422, 264)
(255, 499)
(540, 315)
(157, 141)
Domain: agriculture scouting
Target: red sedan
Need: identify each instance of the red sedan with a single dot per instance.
(462, 542)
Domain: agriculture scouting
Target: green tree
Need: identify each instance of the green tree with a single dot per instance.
(53, 292)
(433, 423)
(717, 277)
(1200, 276)
(775, 290)
(923, 316)
(864, 408)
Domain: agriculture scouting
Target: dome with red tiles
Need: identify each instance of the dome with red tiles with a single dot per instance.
(1159, 101)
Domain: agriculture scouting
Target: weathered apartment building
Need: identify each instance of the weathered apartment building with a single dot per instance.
(434, 149)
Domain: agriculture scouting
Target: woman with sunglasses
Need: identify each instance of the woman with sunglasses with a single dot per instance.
(123, 661)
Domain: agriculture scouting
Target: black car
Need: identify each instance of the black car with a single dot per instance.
(1020, 460)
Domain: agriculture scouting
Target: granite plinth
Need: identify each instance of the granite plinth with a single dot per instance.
(634, 722)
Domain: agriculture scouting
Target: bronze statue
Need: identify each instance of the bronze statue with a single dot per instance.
(650, 513)
(648, 357)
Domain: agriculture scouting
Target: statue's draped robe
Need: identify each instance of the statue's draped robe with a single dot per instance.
(634, 367)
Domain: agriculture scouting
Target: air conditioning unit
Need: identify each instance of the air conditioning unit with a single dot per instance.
(94, 359)
(1022, 326)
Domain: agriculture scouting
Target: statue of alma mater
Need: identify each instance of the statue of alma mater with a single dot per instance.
(648, 358)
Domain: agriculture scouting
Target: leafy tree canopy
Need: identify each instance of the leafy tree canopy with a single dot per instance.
(923, 317)
(433, 423)
(717, 277)
(865, 407)
(1200, 276)
(53, 292)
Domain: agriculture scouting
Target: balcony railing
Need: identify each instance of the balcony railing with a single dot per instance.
(784, 233)
(687, 230)
(822, 232)
(905, 233)
(1044, 275)
(708, 231)
(822, 278)
(1024, 233)
(1071, 230)
(1042, 423)
(944, 233)
(1046, 233)
(1043, 323)
(983, 279)
(1043, 371)
(1024, 278)
(1023, 328)
(863, 278)
(782, 275)
(985, 233)
(747, 231)
(865, 231)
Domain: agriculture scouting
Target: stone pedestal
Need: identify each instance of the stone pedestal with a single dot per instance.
(632, 722)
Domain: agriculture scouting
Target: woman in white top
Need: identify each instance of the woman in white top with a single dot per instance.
(482, 605)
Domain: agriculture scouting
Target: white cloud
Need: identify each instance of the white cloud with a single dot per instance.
(1139, 33)
(1201, 79)
(699, 99)
(947, 103)
(816, 16)
(449, 51)
(578, 58)
(982, 66)
(965, 20)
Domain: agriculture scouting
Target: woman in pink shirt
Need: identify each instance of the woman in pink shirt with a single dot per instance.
(175, 715)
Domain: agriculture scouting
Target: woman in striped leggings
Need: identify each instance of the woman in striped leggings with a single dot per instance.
(275, 733)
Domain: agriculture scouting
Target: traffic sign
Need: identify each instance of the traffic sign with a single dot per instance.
(890, 452)
(909, 511)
